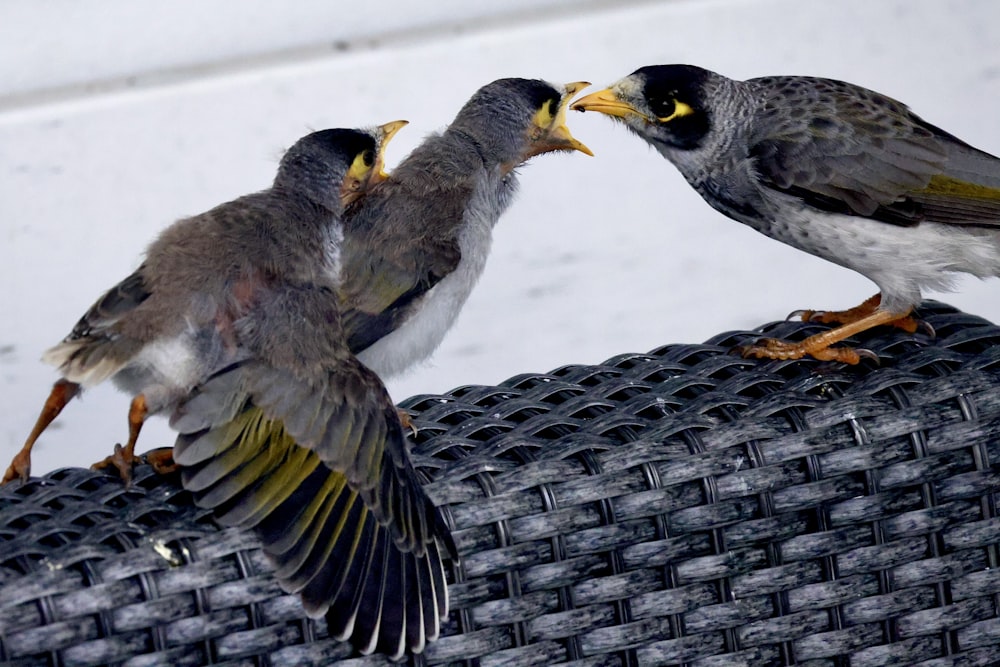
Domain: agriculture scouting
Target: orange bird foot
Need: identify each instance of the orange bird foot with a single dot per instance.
(849, 316)
(404, 418)
(772, 348)
(818, 345)
(62, 393)
(162, 460)
(123, 460)
(868, 308)
(19, 468)
(909, 324)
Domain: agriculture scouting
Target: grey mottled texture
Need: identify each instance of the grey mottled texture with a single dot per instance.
(828, 167)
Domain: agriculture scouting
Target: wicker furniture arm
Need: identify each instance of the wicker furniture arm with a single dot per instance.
(684, 506)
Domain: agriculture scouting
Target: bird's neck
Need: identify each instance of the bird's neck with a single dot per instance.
(491, 145)
(451, 158)
(466, 139)
(309, 191)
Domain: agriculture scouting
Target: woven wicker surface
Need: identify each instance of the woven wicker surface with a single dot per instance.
(684, 506)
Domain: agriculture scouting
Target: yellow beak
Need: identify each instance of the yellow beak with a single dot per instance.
(550, 133)
(388, 131)
(575, 87)
(560, 132)
(605, 101)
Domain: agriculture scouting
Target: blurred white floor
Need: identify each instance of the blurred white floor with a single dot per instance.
(598, 256)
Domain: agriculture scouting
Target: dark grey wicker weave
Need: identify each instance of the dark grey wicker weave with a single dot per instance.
(684, 506)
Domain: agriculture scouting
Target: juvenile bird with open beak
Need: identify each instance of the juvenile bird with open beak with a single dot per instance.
(232, 324)
(164, 328)
(415, 247)
(828, 167)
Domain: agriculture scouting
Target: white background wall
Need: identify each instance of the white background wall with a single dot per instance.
(118, 117)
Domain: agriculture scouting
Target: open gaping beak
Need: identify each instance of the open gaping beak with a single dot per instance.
(551, 133)
(388, 130)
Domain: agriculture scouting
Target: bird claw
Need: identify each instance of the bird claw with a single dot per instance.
(19, 469)
(119, 460)
(865, 353)
(803, 314)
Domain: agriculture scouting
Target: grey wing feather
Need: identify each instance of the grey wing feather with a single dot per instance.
(850, 150)
(361, 437)
(398, 246)
(973, 165)
(324, 530)
(326, 400)
(967, 192)
(113, 305)
(302, 443)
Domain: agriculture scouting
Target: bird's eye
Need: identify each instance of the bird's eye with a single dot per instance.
(664, 107)
(368, 157)
(553, 107)
(670, 108)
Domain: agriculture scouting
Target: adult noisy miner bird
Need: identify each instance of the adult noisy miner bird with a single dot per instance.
(415, 246)
(168, 325)
(828, 167)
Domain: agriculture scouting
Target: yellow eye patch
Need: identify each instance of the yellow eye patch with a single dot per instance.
(547, 114)
(680, 110)
(362, 164)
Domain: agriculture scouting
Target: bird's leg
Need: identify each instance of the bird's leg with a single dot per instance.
(62, 393)
(908, 324)
(124, 457)
(818, 346)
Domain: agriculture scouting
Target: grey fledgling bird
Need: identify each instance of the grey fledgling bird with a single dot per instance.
(168, 325)
(836, 170)
(416, 245)
(232, 322)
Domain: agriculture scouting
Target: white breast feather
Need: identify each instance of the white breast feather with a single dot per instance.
(902, 261)
(420, 335)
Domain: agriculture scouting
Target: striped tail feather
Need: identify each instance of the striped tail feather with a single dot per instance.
(90, 361)
(94, 351)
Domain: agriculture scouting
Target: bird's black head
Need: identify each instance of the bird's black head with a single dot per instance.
(329, 167)
(665, 104)
(514, 119)
(532, 94)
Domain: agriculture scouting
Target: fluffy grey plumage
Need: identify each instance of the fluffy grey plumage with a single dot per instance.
(828, 167)
(415, 247)
(232, 322)
(169, 324)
